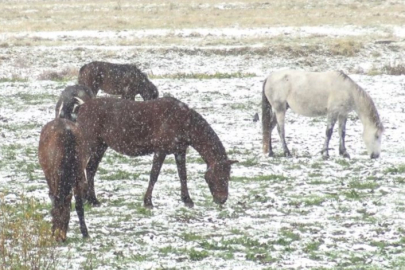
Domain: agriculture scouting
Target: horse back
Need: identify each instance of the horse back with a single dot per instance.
(111, 78)
(136, 128)
(309, 93)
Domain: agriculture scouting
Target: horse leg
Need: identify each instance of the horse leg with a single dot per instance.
(273, 123)
(329, 130)
(342, 134)
(80, 212)
(158, 159)
(128, 93)
(91, 170)
(181, 169)
(280, 116)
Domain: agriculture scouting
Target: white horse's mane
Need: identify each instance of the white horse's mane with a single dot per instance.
(369, 104)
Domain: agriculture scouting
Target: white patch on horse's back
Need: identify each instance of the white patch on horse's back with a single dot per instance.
(85, 175)
(81, 102)
(60, 109)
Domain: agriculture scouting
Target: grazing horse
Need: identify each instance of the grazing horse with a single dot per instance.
(63, 163)
(162, 126)
(70, 99)
(117, 79)
(314, 94)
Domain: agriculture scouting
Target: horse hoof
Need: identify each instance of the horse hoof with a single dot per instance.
(189, 204)
(271, 154)
(325, 157)
(148, 205)
(93, 202)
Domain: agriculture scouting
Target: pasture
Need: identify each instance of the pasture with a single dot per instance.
(282, 213)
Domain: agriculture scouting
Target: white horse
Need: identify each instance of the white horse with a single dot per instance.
(314, 94)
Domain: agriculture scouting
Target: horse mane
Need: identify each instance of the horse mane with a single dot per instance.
(201, 127)
(372, 110)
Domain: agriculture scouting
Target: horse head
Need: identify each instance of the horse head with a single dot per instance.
(148, 90)
(70, 101)
(372, 139)
(217, 176)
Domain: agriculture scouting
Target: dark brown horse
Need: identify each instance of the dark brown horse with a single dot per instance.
(162, 126)
(117, 79)
(62, 160)
(70, 100)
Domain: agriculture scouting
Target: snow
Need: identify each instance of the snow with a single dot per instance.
(268, 210)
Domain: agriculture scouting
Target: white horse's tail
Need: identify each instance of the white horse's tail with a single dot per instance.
(266, 117)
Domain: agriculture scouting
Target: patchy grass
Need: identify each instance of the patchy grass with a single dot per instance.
(25, 238)
(13, 79)
(203, 76)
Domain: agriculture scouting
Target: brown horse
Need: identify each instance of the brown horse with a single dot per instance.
(63, 163)
(162, 126)
(70, 99)
(117, 79)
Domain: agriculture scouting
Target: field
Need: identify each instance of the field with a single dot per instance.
(282, 213)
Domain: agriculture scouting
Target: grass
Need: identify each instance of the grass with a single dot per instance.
(203, 76)
(399, 169)
(13, 79)
(121, 15)
(25, 238)
(67, 74)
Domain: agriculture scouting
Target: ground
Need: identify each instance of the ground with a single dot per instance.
(298, 213)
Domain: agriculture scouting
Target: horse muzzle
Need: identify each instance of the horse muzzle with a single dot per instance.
(220, 199)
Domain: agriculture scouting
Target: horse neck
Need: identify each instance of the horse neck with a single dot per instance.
(365, 108)
(205, 141)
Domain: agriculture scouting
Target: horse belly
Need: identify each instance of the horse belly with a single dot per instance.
(314, 107)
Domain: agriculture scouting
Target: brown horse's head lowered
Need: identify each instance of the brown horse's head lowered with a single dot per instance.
(117, 79)
(217, 176)
(62, 160)
(161, 126)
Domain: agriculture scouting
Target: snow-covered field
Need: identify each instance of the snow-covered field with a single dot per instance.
(298, 213)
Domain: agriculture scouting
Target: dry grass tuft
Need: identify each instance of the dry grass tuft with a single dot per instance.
(346, 47)
(396, 69)
(63, 75)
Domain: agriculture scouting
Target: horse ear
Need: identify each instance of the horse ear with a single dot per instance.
(230, 162)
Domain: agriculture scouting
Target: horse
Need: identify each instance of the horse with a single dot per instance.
(62, 160)
(162, 126)
(117, 79)
(313, 94)
(70, 100)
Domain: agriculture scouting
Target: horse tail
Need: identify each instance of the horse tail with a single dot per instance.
(266, 117)
(69, 165)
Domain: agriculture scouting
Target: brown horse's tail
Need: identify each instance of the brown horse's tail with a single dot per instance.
(266, 117)
(70, 164)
